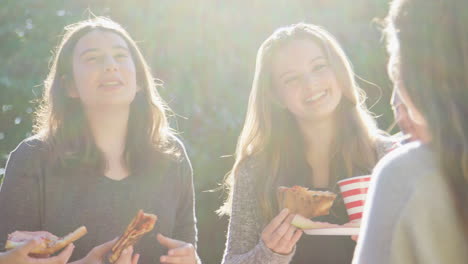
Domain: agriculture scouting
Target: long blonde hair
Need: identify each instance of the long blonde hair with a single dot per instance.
(60, 120)
(269, 129)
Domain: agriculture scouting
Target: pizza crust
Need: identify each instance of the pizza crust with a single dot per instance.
(302, 201)
(48, 245)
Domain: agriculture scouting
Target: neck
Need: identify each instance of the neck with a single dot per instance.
(109, 130)
(318, 138)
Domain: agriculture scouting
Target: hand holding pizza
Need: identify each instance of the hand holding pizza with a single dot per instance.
(97, 255)
(180, 252)
(20, 254)
(279, 235)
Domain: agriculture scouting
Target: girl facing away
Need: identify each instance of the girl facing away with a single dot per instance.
(306, 125)
(417, 208)
(102, 149)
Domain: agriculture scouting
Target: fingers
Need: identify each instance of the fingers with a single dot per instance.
(281, 231)
(275, 222)
(65, 255)
(29, 246)
(289, 233)
(183, 253)
(183, 256)
(101, 250)
(126, 256)
(297, 235)
(173, 260)
(169, 242)
(282, 239)
(61, 258)
(135, 258)
(185, 250)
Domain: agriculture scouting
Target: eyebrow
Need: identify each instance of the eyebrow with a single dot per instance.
(311, 61)
(120, 47)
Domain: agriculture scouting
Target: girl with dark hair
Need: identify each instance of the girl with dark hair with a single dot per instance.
(102, 150)
(417, 209)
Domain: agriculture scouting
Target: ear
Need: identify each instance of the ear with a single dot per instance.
(69, 85)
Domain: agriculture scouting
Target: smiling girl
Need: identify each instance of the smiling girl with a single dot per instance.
(306, 125)
(102, 150)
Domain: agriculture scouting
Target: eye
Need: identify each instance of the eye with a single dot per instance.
(319, 67)
(91, 59)
(292, 80)
(121, 55)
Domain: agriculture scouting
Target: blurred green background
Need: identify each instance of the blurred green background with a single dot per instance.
(204, 51)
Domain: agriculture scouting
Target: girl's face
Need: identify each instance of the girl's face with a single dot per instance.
(419, 129)
(104, 73)
(305, 82)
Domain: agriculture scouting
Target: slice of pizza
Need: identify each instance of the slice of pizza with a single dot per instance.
(305, 204)
(141, 224)
(49, 245)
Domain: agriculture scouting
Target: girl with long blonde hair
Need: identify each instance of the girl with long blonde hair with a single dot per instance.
(306, 124)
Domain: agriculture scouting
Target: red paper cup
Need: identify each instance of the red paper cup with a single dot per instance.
(354, 191)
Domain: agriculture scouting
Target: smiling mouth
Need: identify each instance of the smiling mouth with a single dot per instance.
(316, 97)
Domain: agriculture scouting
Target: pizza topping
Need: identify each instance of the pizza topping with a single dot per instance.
(140, 225)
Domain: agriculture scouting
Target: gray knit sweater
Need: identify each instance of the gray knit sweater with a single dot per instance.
(244, 245)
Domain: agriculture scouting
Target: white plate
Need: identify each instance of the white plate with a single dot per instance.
(337, 231)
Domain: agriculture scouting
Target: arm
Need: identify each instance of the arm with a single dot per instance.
(182, 247)
(429, 230)
(185, 228)
(243, 240)
(19, 193)
(387, 196)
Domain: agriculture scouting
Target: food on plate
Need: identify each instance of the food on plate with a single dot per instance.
(305, 204)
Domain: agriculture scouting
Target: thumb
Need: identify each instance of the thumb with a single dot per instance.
(169, 242)
(101, 250)
(29, 246)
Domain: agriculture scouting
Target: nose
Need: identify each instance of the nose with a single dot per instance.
(311, 82)
(110, 65)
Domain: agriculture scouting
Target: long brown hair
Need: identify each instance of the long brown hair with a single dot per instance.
(60, 120)
(428, 46)
(269, 131)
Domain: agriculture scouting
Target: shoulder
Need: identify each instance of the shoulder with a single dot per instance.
(29, 148)
(179, 154)
(27, 156)
(178, 148)
(406, 164)
(385, 144)
(249, 165)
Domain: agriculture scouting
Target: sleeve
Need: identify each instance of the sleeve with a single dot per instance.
(385, 200)
(185, 227)
(19, 194)
(430, 232)
(243, 243)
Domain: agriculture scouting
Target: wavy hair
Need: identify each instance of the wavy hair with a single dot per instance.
(270, 131)
(60, 120)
